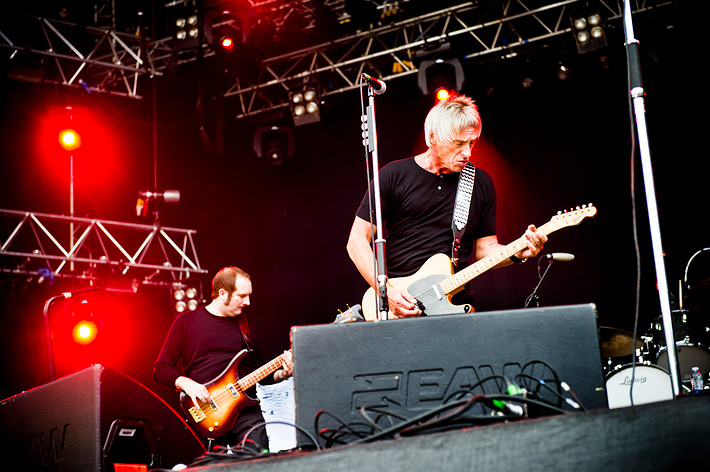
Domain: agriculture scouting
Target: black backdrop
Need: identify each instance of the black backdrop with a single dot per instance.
(550, 147)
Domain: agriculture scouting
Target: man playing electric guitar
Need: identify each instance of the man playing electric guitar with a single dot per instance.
(206, 342)
(418, 198)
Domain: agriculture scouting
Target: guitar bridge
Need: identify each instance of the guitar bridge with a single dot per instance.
(197, 414)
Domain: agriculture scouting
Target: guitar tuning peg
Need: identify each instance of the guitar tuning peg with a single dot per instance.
(577, 208)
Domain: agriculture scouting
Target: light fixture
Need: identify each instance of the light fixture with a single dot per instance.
(185, 25)
(588, 30)
(149, 200)
(186, 296)
(305, 105)
(438, 74)
(274, 144)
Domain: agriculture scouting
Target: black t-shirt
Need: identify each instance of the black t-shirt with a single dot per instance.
(417, 208)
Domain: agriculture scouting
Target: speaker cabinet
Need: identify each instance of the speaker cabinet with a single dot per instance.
(91, 420)
(409, 366)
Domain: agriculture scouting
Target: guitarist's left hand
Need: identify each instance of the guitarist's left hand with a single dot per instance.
(535, 242)
(286, 369)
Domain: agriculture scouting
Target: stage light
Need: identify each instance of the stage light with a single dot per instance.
(84, 332)
(434, 75)
(442, 94)
(305, 105)
(186, 296)
(226, 30)
(274, 143)
(185, 25)
(588, 29)
(69, 139)
(227, 43)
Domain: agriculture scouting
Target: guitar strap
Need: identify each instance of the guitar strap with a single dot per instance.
(464, 193)
(244, 328)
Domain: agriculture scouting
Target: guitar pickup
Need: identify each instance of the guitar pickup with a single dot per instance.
(197, 414)
(233, 390)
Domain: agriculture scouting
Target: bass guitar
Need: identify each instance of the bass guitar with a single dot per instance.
(216, 417)
(435, 283)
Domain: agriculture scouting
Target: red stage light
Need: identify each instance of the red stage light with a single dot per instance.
(69, 139)
(442, 94)
(227, 43)
(84, 332)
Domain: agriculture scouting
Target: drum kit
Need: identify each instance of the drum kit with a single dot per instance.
(649, 375)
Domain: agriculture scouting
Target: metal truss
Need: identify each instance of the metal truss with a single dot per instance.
(152, 254)
(102, 59)
(393, 51)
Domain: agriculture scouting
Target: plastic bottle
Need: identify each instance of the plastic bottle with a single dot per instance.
(696, 378)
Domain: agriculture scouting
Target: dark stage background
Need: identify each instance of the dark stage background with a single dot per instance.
(551, 147)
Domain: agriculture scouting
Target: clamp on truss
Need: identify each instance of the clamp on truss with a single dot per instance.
(101, 248)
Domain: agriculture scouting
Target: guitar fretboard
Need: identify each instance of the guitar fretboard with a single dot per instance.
(250, 380)
(456, 282)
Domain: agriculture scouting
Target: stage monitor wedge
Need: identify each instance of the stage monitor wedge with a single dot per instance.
(89, 420)
(408, 366)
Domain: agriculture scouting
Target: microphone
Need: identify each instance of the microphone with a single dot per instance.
(377, 85)
(560, 256)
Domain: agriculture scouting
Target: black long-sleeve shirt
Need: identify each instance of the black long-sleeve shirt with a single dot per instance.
(205, 344)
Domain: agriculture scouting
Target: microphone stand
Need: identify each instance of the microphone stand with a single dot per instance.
(48, 330)
(637, 94)
(381, 271)
(533, 295)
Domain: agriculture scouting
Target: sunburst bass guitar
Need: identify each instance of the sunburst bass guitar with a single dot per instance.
(434, 283)
(216, 417)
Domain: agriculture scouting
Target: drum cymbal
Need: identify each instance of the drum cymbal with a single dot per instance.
(616, 342)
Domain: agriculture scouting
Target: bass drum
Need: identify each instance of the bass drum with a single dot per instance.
(651, 384)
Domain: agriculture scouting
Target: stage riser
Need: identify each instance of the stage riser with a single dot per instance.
(666, 436)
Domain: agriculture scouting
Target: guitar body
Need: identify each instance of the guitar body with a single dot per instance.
(435, 283)
(217, 417)
(436, 269)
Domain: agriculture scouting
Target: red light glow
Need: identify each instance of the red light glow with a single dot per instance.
(442, 94)
(227, 43)
(84, 332)
(69, 139)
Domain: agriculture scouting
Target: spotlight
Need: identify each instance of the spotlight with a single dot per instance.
(588, 29)
(69, 139)
(438, 74)
(186, 296)
(150, 200)
(442, 94)
(185, 24)
(305, 106)
(274, 143)
(85, 328)
(225, 30)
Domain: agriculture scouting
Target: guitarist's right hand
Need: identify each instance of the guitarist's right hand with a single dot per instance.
(192, 389)
(402, 303)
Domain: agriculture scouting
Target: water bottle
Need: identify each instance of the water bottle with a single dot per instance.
(696, 378)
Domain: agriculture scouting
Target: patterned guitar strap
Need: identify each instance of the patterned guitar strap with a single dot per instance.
(463, 203)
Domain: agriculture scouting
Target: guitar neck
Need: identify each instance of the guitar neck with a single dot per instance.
(261, 373)
(457, 281)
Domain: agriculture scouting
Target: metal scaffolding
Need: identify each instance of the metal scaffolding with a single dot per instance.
(150, 254)
(102, 59)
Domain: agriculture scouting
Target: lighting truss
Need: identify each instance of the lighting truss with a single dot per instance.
(102, 59)
(150, 253)
(500, 30)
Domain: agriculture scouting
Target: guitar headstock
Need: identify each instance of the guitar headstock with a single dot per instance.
(353, 313)
(574, 216)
